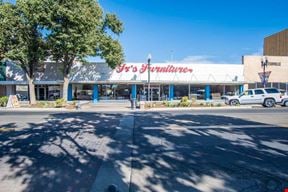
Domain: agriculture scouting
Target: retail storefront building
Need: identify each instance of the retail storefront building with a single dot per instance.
(168, 81)
(96, 81)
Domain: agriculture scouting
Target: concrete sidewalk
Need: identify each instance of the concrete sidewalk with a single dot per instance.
(125, 107)
(116, 168)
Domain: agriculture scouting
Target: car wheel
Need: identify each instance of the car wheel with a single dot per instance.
(286, 104)
(269, 103)
(234, 102)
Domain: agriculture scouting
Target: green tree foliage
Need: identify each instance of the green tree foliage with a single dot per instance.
(66, 30)
(8, 20)
(77, 29)
(21, 38)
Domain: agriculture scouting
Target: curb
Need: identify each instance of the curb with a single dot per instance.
(196, 108)
(36, 109)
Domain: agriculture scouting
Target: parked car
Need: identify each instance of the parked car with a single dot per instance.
(284, 98)
(283, 93)
(268, 97)
(284, 102)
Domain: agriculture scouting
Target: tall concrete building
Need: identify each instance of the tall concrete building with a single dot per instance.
(276, 44)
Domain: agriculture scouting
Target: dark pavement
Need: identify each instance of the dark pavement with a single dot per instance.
(219, 150)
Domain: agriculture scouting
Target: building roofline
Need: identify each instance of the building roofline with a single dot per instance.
(276, 33)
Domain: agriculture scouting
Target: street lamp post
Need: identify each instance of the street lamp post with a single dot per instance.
(264, 64)
(149, 64)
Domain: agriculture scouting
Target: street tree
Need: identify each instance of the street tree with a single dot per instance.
(79, 28)
(21, 37)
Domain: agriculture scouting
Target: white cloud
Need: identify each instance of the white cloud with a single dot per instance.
(199, 59)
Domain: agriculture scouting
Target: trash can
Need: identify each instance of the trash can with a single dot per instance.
(133, 103)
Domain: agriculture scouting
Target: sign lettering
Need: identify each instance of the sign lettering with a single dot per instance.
(274, 64)
(153, 69)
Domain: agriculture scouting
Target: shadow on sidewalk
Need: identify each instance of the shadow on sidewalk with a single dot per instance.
(171, 152)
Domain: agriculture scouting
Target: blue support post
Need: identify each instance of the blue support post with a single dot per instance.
(134, 92)
(133, 97)
(95, 93)
(69, 95)
(207, 92)
(171, 92)
(241, 89)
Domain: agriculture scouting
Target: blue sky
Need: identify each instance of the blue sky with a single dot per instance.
(203, 31)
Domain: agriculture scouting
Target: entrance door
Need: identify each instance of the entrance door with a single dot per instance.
(154, 92)
(42, 93)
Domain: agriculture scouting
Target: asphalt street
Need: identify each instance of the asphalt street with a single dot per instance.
(197, 150)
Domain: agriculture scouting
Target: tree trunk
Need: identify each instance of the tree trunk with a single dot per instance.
(31, 87)
(65, 88)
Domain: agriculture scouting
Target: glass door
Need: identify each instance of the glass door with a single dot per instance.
(155, 93)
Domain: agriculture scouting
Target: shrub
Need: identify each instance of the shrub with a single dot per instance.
(44, 104)
(165, 103)
(3, 101)
(219, 105)
(60, 102)
(184, 99)
(185, 104)
(172, 104)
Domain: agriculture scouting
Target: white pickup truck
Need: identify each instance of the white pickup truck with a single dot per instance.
(268, 97)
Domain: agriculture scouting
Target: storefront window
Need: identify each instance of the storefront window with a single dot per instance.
(231, 90)
(122, 92)
(284, 86)
(164, 92)
(47, 92)
(114, 92)
(180, 91)
(82, 91)
(22, 92)
(252, 86)
(197, 92)
(54, 92)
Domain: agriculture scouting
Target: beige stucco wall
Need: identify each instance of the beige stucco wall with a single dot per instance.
(252, 66)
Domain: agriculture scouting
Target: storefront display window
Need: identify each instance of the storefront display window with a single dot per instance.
(181, 91)
(47, 92)
(54, 92)
(82, 91)
(114, 92)
(22, 92)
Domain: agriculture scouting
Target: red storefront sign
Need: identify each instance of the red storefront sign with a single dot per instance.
(158, 69)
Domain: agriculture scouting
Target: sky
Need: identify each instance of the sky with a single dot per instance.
(196, 31)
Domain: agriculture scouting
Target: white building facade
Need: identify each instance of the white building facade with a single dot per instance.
(96, 81)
